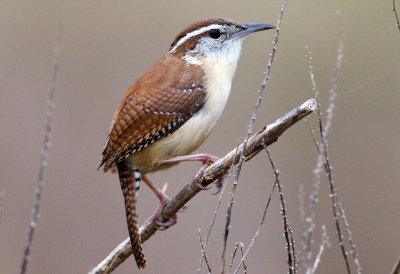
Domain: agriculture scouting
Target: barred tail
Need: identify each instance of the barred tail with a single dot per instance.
(130, 178)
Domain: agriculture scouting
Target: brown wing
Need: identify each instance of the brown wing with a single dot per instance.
(157, 104)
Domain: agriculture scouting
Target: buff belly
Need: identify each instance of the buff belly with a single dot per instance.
(193, 133)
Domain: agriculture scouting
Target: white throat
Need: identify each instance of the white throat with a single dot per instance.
(219, 68)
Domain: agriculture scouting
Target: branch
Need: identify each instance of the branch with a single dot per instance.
(268, 135)
(395, 14)
(43, 155)
(247, 135)
(396, 268)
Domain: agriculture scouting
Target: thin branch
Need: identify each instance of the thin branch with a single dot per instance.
(248, 133)
(323, 159)
(324, 141)
(302, 216)
(203, 251)
(260, 225)
(286, 228)
(353, 250)
(234, 255)
(269, 135)
(312, 133)
(396, 268)
(307, 235)
(206, 239)
(43, 154)
(396, 15)
(324, 242)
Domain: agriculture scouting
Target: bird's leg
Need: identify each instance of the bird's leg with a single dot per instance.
(206, 160)
(164, 199)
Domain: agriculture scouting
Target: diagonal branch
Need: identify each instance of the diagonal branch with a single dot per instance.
(396, 15)
(268, 135)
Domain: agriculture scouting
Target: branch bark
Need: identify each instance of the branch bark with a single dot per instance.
(268, 135)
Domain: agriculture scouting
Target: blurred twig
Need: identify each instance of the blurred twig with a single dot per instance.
(238, 244)
(43, 153)
(286, 228)
(396, 268)
(396, 15)
(307, 237)
(324, 140)
(302, 216)
(260, 225)
(324, 162)
(203, 251)
(268, 135)
(353, 251)
(248, 133)
(324, 242)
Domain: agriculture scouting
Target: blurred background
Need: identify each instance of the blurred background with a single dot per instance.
(107, 45)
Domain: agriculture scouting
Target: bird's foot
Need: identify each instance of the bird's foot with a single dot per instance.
(157, 219)
(219, 183)
(206, 160)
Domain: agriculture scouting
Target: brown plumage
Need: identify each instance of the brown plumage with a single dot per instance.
(172, 108)
(200, 24)
(156, 105)
(153, 108)
(127, 180)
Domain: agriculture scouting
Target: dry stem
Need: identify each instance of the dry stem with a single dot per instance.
(249, 130)
(43, 155)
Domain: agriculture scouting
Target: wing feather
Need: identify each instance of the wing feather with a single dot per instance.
(154, 107)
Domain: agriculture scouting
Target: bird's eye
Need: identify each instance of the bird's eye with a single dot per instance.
(214, 33)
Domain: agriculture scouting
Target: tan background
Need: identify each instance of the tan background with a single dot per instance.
(108, 44)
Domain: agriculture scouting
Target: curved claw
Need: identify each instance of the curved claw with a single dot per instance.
(201, 187)
(156, 216)
(217, 192)
(219, 184)
(163, 226)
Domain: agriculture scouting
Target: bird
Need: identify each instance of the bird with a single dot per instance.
(171, 109)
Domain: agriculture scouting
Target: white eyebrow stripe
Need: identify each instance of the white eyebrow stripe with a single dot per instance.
(192, 34)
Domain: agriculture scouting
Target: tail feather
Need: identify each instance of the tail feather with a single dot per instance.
(130, 179)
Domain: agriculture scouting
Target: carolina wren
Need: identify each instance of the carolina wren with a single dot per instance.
(172, 108)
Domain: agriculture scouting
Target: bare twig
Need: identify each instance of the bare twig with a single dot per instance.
(324, 141)
(248, 133)
(286, 227)
(396, 268)
(215, 213)
(204, 255)
(43, 154)
(261, 223)
(238, 244)
(353, 251)
(323, 159)
(312, 133)
(269, 135)
(302, 216)
(307, 235)
(324, 242)
(396, 15)
(333, 89)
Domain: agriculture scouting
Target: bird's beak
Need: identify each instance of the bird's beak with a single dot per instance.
(250, 28)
